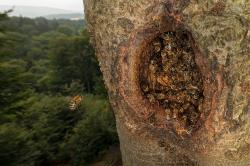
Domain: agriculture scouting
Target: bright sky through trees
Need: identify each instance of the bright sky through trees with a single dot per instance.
(73, 5)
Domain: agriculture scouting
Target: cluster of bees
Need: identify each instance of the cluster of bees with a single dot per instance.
(171, 78)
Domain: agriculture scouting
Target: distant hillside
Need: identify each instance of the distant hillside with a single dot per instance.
(72, 16)
(32, 12)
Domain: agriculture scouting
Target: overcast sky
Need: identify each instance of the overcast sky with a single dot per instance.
(73, 5)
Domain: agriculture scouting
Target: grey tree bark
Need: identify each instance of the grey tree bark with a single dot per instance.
(121, 31)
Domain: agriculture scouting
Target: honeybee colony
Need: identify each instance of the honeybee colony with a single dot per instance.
(170, 78)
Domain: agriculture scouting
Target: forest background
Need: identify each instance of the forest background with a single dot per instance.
(44, 64)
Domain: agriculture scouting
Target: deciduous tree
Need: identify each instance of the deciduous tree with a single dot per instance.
(213, 128)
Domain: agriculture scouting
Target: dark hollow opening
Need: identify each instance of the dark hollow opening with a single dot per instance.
(170, 78)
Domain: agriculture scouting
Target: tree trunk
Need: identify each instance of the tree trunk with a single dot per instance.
(211, 128)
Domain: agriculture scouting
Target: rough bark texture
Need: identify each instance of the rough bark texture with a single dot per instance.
(121, 31)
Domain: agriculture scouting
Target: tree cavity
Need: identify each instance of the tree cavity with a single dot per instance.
(170, 78)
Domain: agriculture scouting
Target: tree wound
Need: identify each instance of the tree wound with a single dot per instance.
(170, 78)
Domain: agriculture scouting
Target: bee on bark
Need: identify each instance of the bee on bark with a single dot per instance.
(75, 102)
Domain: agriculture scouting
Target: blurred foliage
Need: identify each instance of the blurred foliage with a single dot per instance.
(43, 64)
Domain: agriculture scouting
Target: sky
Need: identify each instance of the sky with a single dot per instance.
(73, 5)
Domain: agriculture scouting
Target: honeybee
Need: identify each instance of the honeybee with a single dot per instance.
(164, 81)
(75, 102)
(193, 116)
(157, 46)
(168, 47)
(163, 54)
(160, 96)
(168, 37)
(152, 75)
(145, 88)
(168, 114)
(151, 98)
